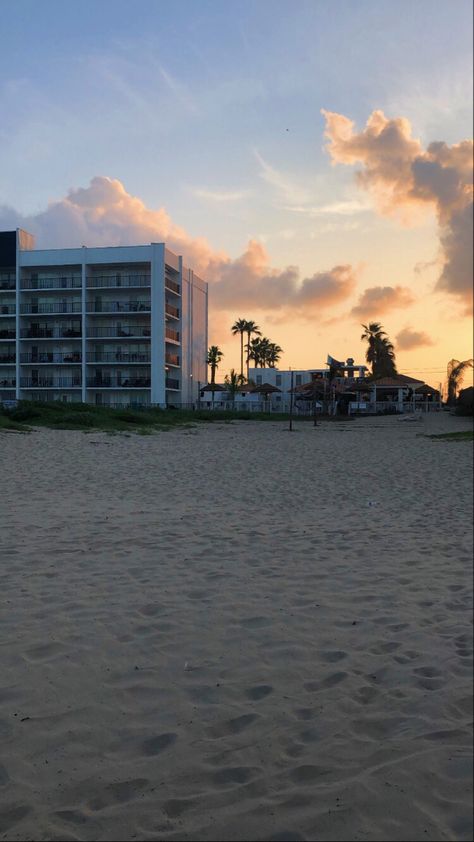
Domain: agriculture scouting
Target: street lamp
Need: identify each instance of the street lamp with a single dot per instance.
(291, 402)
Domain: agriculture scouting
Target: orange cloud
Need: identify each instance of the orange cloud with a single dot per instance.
(104, 214)
(250, 281)
(402, 176)
(409, 339)
(377, 300)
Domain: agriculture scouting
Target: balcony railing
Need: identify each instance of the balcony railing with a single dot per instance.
(7, 309)
(50, 382)
(7, 383)
(118, 306)
(171, 311)
(105, 382)
(104, 281)
(50, 333)
(10, 284)
(171, 383)
(172, 334)
(43, 308)
(51, 357)
(7, 358)
(172, 285)
(124, 330)
(172, 359)
(7, 333)
(65, 282)
(117, 357)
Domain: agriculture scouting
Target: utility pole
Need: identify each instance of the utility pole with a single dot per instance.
(291, 402)
(315, 423)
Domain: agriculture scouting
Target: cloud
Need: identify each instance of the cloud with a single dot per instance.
(221, 195)
(409, 339)
(404, 178)
(105, 214)
(250, 281)
(343, 208)
(377, 300)
(281, 182)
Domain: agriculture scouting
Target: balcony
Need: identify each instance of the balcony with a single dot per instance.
(50, 382)
(7, 333)
(8, 284)
(172, 285)
(50, 333)
(117, 281)
(172, 359)
(172, 335)
(48, 357)
(109, 382)
(172, 384)
(118, 306)
(5, 359)
(8, 383)
(171, 311)
(64, 282)
(133, 331)
(122, 357)
(7, 309)
(47, 308)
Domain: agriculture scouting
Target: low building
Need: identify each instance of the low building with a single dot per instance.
(122, 326)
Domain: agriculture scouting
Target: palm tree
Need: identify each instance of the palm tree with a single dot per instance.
(264, 345)
(214, 356)
(258, 351)
(273, 354)
(240, 326)
(380, 352)
(233, 381)
(373, 333)
(456, 371)
(251, 328)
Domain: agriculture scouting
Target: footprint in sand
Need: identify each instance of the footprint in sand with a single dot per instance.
(156, 745)
(118, 793)
(233, 726)
(45, 652)
(259, 692)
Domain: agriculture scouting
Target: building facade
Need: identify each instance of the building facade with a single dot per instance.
(117, 326)
(347, 373)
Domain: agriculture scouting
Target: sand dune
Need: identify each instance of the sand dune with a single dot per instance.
(233, 632)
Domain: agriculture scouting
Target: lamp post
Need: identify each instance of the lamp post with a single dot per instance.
(291, 402)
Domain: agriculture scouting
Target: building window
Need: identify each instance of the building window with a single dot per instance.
(298, 379)
(278, 380)
(259, 379)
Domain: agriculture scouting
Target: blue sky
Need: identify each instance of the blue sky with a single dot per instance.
(212, 110)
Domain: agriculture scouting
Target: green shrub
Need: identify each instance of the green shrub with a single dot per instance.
(76, 419)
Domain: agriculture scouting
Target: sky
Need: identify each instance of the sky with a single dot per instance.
(312, 160)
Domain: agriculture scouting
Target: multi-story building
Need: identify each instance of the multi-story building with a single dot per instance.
(338, 373)
(124, 325)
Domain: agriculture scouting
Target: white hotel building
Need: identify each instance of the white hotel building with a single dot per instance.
(125, 325)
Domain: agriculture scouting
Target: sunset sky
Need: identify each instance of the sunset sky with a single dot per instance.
(313, 160)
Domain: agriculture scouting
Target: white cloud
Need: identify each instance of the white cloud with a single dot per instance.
(105, 214)
(220, 195)
(281, 182)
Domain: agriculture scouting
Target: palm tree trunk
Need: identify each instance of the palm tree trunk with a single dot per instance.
(242, 353)
(248, 353)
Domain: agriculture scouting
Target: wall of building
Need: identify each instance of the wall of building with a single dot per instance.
(47, 322)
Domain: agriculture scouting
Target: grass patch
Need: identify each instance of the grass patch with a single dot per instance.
(460, 435)
(88, 418)
(8, 424)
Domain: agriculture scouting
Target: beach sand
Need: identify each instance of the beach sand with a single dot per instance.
(235, 632)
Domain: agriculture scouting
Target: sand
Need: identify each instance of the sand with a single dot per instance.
(236, 632)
